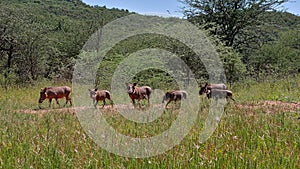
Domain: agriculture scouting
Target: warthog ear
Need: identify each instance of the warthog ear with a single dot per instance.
(95, 89)
(126, 83)
(89, 90)
(43, 89)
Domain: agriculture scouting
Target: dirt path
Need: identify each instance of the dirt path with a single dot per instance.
(73, 110)
(269, 106)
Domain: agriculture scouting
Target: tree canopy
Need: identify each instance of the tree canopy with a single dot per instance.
(253, 28)
(228, 17)
(41, 39)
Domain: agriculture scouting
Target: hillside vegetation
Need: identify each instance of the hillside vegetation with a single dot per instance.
(43, 39)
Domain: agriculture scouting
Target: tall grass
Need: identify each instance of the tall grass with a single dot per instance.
(25, 97)
(286, 90)
(245, 138)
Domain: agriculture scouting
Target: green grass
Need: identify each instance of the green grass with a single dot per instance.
(25, 97)
(286, 90)
(243, 139)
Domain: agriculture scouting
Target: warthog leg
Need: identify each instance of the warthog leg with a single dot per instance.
(230, 98)
(133, 102)
(111, 102)
(168, 103)
(103, 103)
(95, 102)
(148, 98)
(57, 102)
(68, 100)
(50, 100)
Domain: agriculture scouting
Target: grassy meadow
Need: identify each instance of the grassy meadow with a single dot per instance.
(246, 137)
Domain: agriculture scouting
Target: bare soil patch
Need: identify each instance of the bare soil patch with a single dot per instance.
(72, 110)
(271, 107)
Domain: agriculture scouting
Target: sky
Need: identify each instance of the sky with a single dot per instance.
(167, 7)
(293, 7)
(149, 7)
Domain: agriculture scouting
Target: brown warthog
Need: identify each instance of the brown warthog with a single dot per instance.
(207, 87)
(55, 93)
(174, 96)
(139, 93)
(219, 93)
(100, 95)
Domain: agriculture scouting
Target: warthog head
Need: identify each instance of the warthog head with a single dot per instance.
(43, 95)
(93, 93)
(203, 89)
(131, 88)
(166, 97)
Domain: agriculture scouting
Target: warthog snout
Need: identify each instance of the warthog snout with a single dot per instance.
(41, 101)
(43, 95)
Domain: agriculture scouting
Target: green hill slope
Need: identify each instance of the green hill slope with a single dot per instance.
(42, 38)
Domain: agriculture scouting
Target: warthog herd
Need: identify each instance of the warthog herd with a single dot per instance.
(135, 93)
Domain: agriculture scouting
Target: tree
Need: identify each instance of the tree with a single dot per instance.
(227, 17)
(281, 57)
(10, 21)
(270, 25)
(42, 39)
(22, 46)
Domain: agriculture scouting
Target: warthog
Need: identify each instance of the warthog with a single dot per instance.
(55, 93)
(219, 93)
(207, 87)
(174, 96)
(138, 93)
(100, 95)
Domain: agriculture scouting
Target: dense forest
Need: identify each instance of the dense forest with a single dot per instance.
(42, 40)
